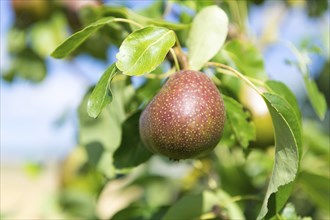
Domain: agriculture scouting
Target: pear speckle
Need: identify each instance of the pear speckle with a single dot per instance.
(185, 119)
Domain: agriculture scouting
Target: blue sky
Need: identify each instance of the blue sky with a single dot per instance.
(29, 112)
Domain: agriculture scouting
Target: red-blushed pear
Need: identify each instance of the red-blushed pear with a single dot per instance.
(185, 119)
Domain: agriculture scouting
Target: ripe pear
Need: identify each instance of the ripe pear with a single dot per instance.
(185, 119)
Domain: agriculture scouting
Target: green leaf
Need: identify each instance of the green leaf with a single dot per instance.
(16, 40)
(154, 21)
(289, 212)
(158, 191)
(287, 147)
(316, 138)
(206, 205)
(131, 212)
(192, 206)
(243, 130)
(234, 211)
(207, 35)
(50, 32)
(106, 129)
(101, 95)
(154, 10)
(104, 133)
(316, 98)
(317, 188)
(145, 21)
(78, 38)
(28, 65)
(77, 203)
(131, 151)
(94, 152)
(282, 90)
(143, 50)
(148, 90)
(245, 57)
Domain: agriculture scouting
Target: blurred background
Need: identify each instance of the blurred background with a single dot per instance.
(40, 95)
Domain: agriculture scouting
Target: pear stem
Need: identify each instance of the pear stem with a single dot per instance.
(161, 76)
(177, 66)
(182, 55)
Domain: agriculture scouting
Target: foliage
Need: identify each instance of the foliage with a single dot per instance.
(237, 180)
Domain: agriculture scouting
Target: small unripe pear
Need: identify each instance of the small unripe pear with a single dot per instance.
(185, 119)
(260, 117)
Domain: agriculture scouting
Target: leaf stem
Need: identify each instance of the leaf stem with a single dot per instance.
(177, 66)
(216, 80)
(208, 215)
(161, 76)
(247, 197)
(256, 81)
(234, 72)
(124, 20)
(279, 217)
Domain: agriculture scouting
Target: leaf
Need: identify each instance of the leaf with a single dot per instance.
(16, 40)
(281, 89)
(148, 90)
(234, 211)
(154, 21)
(207, 34)
(50, 32)
(131, 212)
(143, 50)
(317, 188)
(245, 57)
(28, 65)
(243, 130)
(105, 131)
(192, 206)
(316, 138)
(289, 212)
(77, 203)
(79, 37)
(101, 95)
(145, 21)
(316, 98)
(131, 151)
(158, 190)
(94, 152)
(287, 147)
(206, 205)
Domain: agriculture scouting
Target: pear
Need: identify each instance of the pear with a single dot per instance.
(260, 116)
(185, 119)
